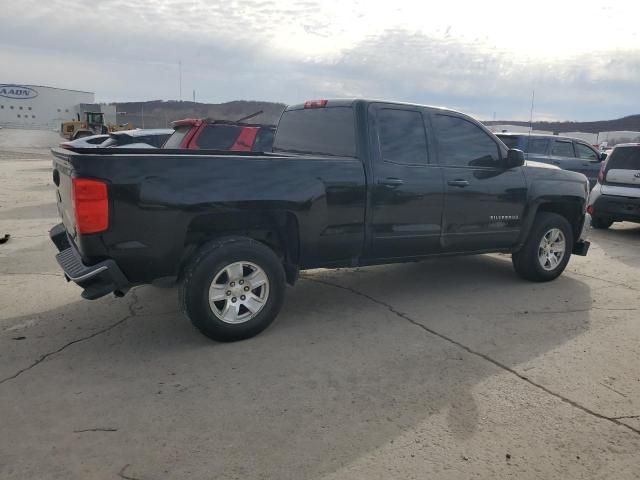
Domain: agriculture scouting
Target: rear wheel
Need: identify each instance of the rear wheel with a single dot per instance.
(601, 223)
(233, 289)
(546, 252)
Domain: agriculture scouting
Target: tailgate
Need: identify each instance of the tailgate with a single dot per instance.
(62, 175)
(624, 177)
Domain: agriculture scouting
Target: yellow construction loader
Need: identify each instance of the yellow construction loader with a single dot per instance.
(93, 124)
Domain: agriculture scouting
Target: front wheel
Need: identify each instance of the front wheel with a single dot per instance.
(233, 289)
(546, 252)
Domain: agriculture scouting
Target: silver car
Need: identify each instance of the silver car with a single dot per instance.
(92, 141)
(616, 196)
(140, 138)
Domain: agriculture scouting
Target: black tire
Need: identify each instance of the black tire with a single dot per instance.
(601, 223)
(201, 272)
(526, 262)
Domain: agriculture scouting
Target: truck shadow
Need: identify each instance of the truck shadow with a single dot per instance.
(345, 370)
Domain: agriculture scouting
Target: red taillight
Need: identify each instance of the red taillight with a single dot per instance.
(315, 103)
(91, 205)
(590, 209)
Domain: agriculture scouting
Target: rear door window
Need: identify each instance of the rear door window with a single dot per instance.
(538, 146)
(562, 148)
(402, 137)
(585, 152)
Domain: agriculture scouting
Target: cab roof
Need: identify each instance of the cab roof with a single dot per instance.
(349, 102)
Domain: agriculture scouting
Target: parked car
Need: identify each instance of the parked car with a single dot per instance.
(616, 196)
(567, 153)
(222, 135)
(139, 138)
(350, 182)
(91, 141)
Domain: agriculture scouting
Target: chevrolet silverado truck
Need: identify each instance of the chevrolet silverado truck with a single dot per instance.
(349, 183)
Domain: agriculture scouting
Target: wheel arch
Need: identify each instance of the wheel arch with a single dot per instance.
(277, 230)
(569, 207)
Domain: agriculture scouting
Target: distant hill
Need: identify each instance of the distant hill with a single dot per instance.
(632, 123)
(160, 114)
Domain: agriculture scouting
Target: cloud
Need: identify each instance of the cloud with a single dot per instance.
(292, 50)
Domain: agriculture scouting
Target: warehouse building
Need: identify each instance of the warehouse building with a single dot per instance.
(36, 106)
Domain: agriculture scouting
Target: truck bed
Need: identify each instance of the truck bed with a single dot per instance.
(162, 201)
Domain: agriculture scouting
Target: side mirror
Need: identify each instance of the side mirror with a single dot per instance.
(603, 156)
(515, 158)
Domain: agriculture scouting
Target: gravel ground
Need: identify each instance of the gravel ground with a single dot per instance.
(446, 369)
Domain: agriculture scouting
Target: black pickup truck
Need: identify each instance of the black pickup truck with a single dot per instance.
(348, 183)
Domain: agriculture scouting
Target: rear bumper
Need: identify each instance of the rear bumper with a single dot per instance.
(617, 208)
(96, 280)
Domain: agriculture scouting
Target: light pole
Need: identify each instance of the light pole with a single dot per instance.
(180, 77)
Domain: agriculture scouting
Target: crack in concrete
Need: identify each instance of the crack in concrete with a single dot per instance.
(626, 416)
(45, 356)
(126, 477)
(476, 353)
(610, 282)
(608, 387)
(97, 429)
(576, 310)
(53, 274)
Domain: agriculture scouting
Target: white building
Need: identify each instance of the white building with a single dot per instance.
(35, 106)
(591, 138)
(516, 129)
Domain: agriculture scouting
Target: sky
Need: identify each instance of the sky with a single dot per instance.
(582, 58)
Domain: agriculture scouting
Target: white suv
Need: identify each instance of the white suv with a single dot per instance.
(616, 196)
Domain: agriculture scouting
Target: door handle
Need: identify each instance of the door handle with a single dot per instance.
(458, 183)
(391, 182)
